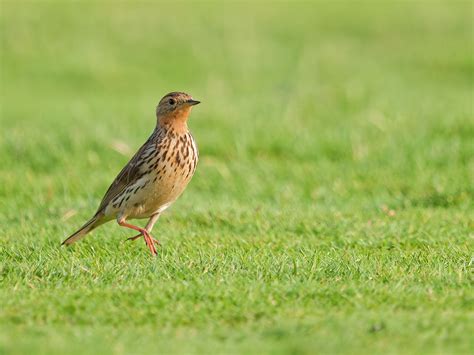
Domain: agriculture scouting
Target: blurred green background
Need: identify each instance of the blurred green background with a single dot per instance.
(332, 206)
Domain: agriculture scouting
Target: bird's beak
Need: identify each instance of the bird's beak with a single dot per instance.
(192, 102)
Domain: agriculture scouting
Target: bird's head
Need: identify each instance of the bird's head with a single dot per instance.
(174, 109)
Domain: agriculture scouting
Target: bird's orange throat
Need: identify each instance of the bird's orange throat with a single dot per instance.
(176, 120)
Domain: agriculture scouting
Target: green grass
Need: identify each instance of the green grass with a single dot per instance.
(332, 209)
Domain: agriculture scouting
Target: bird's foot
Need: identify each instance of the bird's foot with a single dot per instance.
(149, 242)
(157, 242)
(146, 235)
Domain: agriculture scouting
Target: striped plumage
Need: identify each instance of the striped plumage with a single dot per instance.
(155, 176)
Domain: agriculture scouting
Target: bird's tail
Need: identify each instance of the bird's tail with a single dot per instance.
(86, 228)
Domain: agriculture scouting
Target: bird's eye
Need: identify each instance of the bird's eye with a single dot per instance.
(172, 101)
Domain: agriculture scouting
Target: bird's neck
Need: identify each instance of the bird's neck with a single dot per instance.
(176, 121)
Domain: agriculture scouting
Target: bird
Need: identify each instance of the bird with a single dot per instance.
(154, 177)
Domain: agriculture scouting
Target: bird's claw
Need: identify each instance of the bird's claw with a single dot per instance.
(157, 242)
(135, 237)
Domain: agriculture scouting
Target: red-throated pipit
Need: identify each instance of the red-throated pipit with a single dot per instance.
(156, 175)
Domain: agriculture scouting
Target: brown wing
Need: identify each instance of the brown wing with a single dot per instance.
(129, 174)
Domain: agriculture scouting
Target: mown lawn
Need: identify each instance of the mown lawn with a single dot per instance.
(332, 209)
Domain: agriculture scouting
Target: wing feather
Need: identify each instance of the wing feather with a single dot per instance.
(129, 174)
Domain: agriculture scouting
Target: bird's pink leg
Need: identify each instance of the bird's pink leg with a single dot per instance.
(144, 232)
(149, 227)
